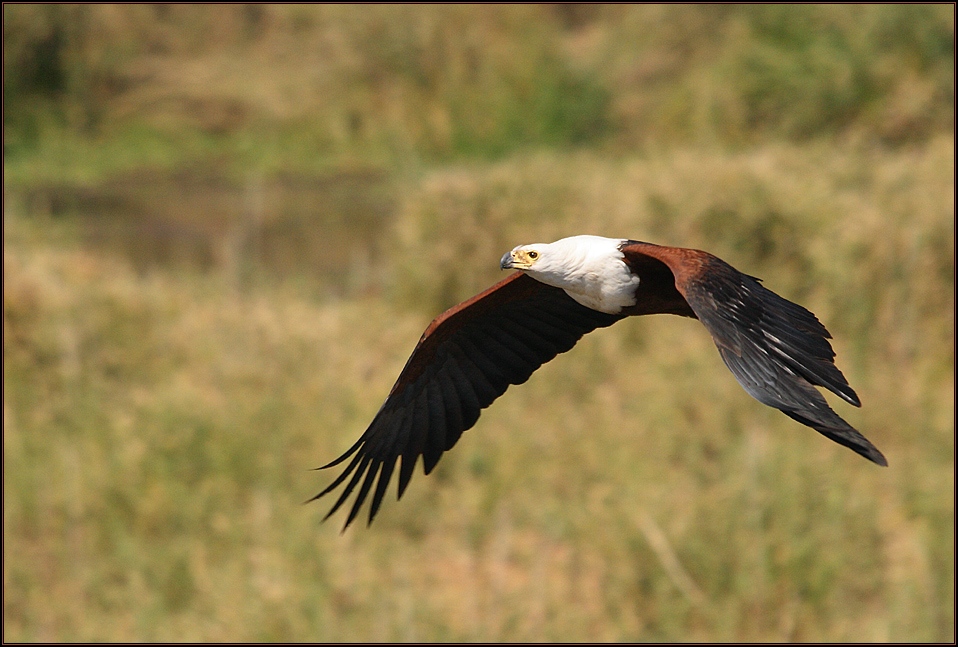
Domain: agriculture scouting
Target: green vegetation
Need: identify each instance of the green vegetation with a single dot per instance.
(226, 227)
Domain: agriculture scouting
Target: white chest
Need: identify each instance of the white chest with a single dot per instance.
(607, 290)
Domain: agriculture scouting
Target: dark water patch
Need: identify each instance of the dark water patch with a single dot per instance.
(259, 228)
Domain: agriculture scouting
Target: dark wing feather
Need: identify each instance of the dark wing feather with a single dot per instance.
(776, 349)
(467, 357)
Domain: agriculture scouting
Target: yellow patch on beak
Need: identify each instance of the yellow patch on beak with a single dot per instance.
(519, 259)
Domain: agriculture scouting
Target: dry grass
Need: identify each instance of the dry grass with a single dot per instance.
(159, 427)
(225, 228)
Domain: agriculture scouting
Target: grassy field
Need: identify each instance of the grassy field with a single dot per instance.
(225, 229)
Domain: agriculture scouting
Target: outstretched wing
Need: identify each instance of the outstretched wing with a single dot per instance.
(466, 358)
(777, 350)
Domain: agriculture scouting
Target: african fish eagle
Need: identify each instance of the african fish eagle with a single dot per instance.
(470, 354)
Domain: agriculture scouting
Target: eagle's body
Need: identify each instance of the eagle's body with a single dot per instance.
(467, 357)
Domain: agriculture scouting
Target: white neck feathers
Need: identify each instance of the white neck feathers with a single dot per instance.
(591, 269)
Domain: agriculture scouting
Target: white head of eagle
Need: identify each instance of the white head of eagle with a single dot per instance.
(591, 270)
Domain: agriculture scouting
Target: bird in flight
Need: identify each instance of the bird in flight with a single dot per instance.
(470, 354)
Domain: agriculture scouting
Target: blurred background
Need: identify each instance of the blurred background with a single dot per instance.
(225, 227)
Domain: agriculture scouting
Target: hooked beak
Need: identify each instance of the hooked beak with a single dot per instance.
(505, 263)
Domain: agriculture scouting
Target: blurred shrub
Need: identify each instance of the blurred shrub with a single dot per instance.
(433, 82)
(745, 73)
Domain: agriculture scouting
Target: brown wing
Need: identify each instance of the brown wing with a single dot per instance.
(466, 358)
(776, 349)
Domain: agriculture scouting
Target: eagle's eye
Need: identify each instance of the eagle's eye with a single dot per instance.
(533, 255)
